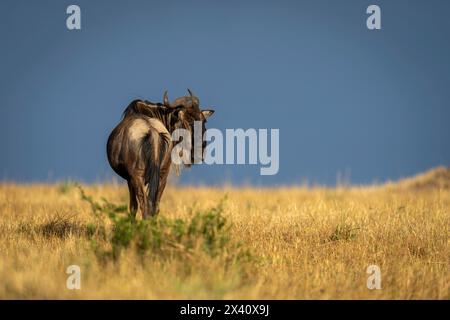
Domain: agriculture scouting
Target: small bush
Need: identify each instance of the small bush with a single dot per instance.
(203, 232)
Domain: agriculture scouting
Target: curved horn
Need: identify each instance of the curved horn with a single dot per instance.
(166, 99)
(194, 99)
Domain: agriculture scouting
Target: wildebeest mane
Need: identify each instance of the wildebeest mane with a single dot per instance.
(145, 107)
(158, 111)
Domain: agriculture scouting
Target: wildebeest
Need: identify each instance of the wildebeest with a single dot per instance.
(139, 148)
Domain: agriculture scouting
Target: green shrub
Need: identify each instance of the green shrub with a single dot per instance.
(203, 232)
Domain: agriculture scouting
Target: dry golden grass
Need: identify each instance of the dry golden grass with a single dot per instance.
(305, 243)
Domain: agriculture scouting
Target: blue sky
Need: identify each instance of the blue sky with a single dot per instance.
(372, 105)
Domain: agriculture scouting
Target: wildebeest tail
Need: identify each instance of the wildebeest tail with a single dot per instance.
(160, 144)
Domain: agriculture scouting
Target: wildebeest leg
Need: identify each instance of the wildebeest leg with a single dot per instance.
(139, 188)
(133, 200)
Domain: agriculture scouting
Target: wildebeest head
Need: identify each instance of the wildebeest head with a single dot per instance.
(186, 112)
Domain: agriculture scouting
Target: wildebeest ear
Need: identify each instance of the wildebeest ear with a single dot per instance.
(207, 113)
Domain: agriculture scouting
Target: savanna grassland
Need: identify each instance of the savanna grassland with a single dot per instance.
(227, 243)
